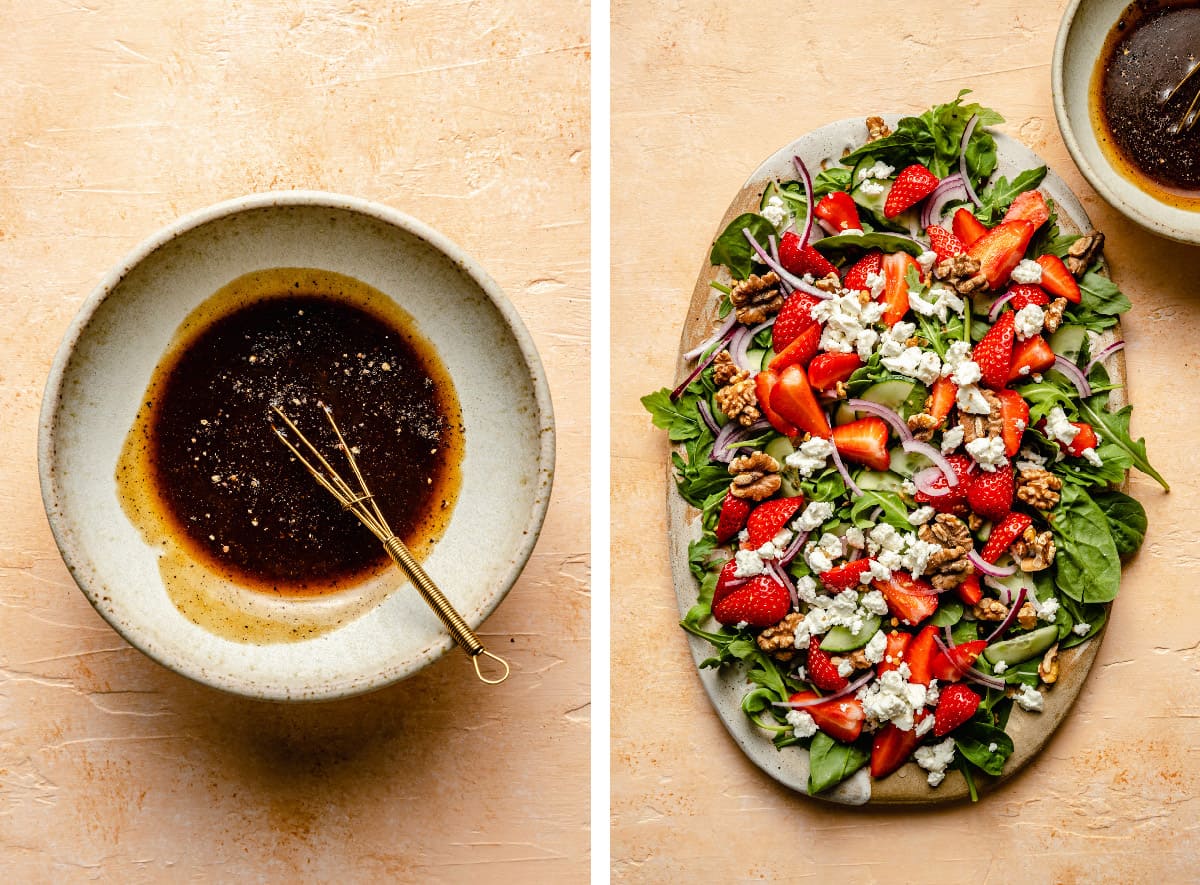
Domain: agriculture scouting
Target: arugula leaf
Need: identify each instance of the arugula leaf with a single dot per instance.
(975, 738)
(965, 631)
(1114, 428)
(1126, 520)
(839, 245)
(1100, 295)
(681, 419)
(831, 762)
(706, 572)
(893, 510)
(731, 248)
(1088, 568)
(998, 196)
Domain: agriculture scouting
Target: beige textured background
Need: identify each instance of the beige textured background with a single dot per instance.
(115, 118)
(702, 93)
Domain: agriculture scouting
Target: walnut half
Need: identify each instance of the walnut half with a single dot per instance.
(962, 272)
(1083, 252)
(948, 566)
(1038, 488)
(1033, 551)
(757, 298)
(779, 641)
(755, 476)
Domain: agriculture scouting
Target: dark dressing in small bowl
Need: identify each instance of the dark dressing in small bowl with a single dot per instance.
(1140, 110)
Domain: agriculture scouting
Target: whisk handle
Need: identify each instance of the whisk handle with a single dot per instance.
(459, 629)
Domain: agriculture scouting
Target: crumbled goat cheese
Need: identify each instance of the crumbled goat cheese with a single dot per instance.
(965, 373)
(1000, 667)
(814, 515)
(992, 747)
(924, 365)
(875, 647)
(924, 726)
(988, 452)
(806, 589)
(970, 399)
(1030, 699)
(845, 668)
(1082, 628)
(890, 698)
(873, 602)
(940, 303)
(879, 169)
(847, 323)
(1046, 611)
(876, 283)
(775, 212)
(1089, 455)
(802, 723)
(952, 439)
(921, 515)
(1027, 272)
(1059, 428)
(927, 259)
(956, 354)
(749, 564)
(811, 456)
(936, 759)
(1028, 321)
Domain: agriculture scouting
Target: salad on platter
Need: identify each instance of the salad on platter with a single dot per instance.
(903, 444)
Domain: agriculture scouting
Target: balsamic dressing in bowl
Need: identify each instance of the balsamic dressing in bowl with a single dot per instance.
(1135, 105)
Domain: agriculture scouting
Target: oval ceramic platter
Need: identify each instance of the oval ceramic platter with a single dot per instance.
(726, 686)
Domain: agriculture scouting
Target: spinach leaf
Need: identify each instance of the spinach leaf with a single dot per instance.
(831, 762)
(1092, 615)
(998, 196)
(964, 631)
(949, 613)
(731, 248)
(1088, 568)
(974, 740)
(1114, 428)
(1126, 520)
(1100, 295)
(835, 246)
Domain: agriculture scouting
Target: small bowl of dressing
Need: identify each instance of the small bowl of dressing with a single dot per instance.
(192, 529)
(1126, 81)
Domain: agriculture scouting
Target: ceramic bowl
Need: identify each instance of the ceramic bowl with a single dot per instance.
(111, 348)
(1081, 36)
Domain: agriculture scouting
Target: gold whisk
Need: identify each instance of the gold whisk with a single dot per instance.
(362, 504)
(1192, 114)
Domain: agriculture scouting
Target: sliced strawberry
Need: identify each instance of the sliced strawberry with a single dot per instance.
(842, 718)
(801, 260)
(822, 671)
(1025, 294)
(1029, 357)
(941, 399)
(727, 581)
(1029, 206)
(794, 401)
(793, 318)
(1000, 250)
(732, 518)
(856, 276)
(896, 652)
(846, 576)
(956, 704)
(760, 602)
(1057, 280)
(909, 599)
(769, 517)
(953, 500)
(995, 351)
(895, 286)
(827, 369)
(1085, 439)
(1014, 412)
(764, 386)
(950, 667)
(943, 243)
(892, 747)
(839, 210)
(912, 185)
(864, 442)
(1003, 534)
(800, 351)
(967, 227)
(920, 655)
(969, 590)
(990, 495)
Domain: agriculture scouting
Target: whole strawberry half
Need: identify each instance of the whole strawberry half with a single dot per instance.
(822, 672)
(944, 243)
(841, 718)
(1003, 534)
(1025, 294)
(732, 518)
(856, 276)
(956, 495)
(956, 704)
(793, 318)
(760, 602)
(991, 494)
(768, 518)
(800, 260)
(912, 185)
(994, 352)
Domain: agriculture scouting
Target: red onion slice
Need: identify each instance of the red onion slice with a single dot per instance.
(726, 443)
(828, 228)
(978, 676)
(739, 346)
(841, 467)
(950, 189)
(1103, 355)
(706, 416)
(809, 289)
(1076, 376)
(841, 693)
(891, 417)
(793, 549)
(998, 305)
(773, 243)
(962, 159)
(988, 568)
(701, 366)
(722, 332)
(939, 460)
(780, 574)
(969, 673)
(1013, 610)
(806, 182)
(793, 281)
(923, 480)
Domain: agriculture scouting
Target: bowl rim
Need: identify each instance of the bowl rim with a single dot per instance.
(48, 422)
(1098, 182)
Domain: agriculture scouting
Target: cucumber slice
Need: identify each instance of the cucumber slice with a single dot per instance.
(769, 191)
(873, 201)
(754, 356)
(879, 481)
(908, 463)
(843, 639)
(779, 448)
(1068, 341)
(1020, 649)
(768, 355)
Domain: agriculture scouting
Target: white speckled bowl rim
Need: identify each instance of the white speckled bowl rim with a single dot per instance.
(1081, 35)
(725, 687)
(249, 684)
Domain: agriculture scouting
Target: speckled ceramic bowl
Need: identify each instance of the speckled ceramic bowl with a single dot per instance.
(105, 362)
(1081, 36)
